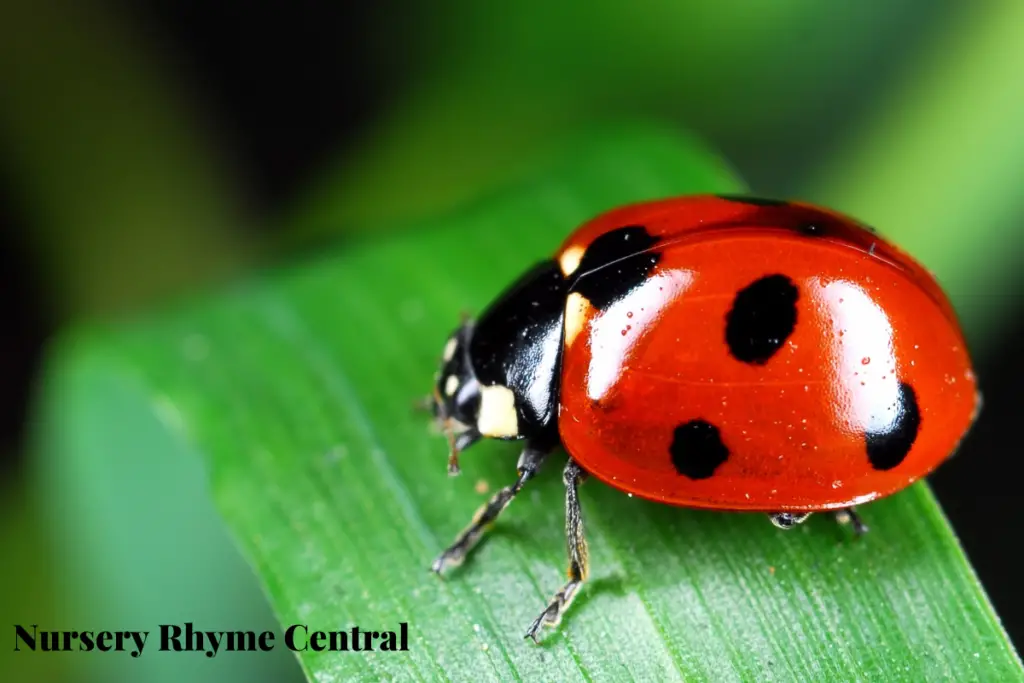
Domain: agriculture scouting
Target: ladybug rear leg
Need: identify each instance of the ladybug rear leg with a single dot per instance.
(579, 563)
(850, 516)
(529, 464)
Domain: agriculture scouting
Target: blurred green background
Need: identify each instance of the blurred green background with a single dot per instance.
(152, 150)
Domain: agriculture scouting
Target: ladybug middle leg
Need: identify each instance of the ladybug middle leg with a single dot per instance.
(529, 464)
(788, 520)
(579, 562)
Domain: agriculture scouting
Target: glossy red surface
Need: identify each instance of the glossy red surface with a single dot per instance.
(868, 318)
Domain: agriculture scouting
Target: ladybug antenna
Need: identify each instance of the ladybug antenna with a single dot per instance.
(424, 404)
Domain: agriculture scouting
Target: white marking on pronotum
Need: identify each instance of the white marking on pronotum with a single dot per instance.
(576, 307)
(451, 385)
(497, 416)
(449, 350)
(570, 259)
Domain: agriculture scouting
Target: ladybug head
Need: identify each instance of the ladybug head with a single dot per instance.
(499, 373)
(456, 397)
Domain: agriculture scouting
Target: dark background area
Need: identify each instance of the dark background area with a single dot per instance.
(287, 89)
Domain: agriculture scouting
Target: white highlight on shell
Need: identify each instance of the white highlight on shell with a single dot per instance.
(451, 385)
(870, 398)
(570, 259)
(576, 307)
(449, 350)
(617, 330)
(979, 401)
(497, 417)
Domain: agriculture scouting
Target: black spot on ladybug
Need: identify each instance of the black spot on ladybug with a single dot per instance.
(811, 229)
(888, 448)
(697, 449)
(614, 264)
(755, 201)
(615, 245)
(762, 317)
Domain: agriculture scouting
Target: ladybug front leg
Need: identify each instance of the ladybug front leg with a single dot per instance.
(579, 564)
(529, 464)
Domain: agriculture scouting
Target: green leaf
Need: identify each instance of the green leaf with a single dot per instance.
(951, 129)
(296, 389)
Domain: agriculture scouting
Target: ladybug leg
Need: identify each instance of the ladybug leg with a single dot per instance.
(529, 464)
(788, 520)
(579, 564)
(850, 516)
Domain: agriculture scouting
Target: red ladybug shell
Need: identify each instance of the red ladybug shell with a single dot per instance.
(756, 355)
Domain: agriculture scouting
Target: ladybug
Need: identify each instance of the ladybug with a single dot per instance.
(717, 352)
